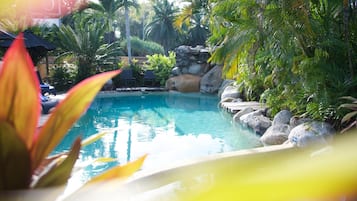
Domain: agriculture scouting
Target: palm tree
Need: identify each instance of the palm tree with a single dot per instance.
(161, 29)
(85, 42)
(109, 8)
(194, 19)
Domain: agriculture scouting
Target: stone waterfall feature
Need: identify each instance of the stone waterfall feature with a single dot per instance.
(193, 73)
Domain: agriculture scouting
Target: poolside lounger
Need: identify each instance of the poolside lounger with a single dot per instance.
(47, 104)
(126, 78)
(45, 88)
(149, 77)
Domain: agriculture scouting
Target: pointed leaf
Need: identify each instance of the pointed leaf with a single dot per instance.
(349, 98)
(19, 86)
(92, 139)
(349, 105)
(348, 116)
(120, 172)
(15, 168)
(66, 114)
(60, 174)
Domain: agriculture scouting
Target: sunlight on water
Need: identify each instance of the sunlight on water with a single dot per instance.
(171, 128)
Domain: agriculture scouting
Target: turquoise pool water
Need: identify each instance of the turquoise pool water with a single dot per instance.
(170, 127)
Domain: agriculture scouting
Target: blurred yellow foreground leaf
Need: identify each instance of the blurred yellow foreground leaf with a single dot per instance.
(280, 173)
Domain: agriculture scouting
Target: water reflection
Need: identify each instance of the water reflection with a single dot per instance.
(171, 128)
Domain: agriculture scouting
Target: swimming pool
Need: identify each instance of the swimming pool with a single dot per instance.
(170, 127)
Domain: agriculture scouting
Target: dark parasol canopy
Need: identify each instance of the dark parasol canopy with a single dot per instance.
(6, 36)
(36, 46)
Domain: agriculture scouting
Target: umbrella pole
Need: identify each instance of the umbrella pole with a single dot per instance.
(47, 69)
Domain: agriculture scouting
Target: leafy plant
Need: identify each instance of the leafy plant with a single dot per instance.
(350, 117)
(142, 48)
(162, 65)
(25, 147)
(62, 79)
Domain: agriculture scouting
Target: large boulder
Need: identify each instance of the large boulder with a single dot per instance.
(295, 121)
(257, 121)
(231, 91)
(211, 81)
(239, 114)
(276, 134)
(282, 117)
(184, 83)
(224, 84)
(314, 132)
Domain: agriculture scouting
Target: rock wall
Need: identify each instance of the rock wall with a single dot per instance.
(193, 73)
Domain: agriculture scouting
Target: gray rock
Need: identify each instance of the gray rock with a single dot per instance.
(195, 69)
(260, 124)
(238, 115)
(230, 92)
(257, 121)
(224, 84)
(311, 133)
(295, 121)
(176, 71)
(282, 117)
(245, 118)
(276, 134)
(211, 81)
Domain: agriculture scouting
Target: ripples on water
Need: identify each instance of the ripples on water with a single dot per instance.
(169, 127)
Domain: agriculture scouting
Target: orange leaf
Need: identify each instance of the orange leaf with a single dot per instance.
(120, 172)
(19, 88)
(66, 114)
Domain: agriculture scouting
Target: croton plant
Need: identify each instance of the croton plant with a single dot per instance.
(25, 161)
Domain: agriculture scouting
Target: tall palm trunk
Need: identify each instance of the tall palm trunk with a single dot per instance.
(127, 30)
(347, 35)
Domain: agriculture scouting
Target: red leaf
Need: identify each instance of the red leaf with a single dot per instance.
(19, 89)
(66, 114)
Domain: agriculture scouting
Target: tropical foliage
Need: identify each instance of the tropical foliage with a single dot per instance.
(161, 28)
(24, 147)
(295, 54)
(143, 48)
(162, 65)
(85, 42)
(193, 21)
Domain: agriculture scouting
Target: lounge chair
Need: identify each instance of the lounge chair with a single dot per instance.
(45, 88)
(126, 78)
(149, 77)
(47, 104)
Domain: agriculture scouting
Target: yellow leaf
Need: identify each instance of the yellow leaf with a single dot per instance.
(66, 114)
(19, 89)
(92, 138)
(120, 172)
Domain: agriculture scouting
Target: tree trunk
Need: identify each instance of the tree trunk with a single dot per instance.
(127, 31)
(347, 35)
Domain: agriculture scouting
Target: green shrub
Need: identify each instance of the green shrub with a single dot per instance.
(62, 77)
(142, 48)
(162, 65)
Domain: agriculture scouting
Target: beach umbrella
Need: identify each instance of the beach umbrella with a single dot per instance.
(6, 36)
(36, 46)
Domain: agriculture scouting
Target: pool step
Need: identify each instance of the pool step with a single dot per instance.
(234, 107)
